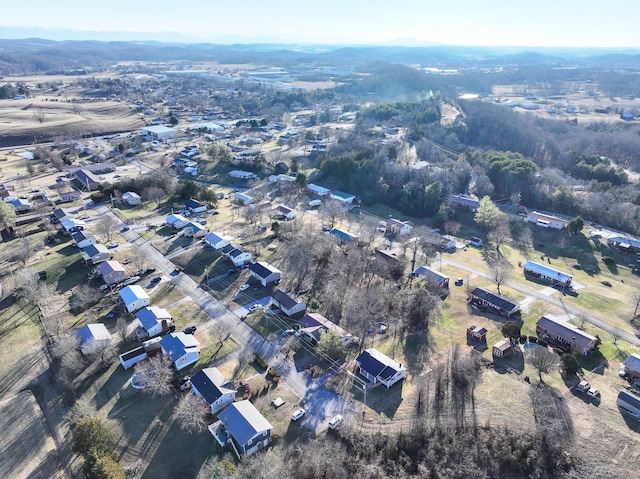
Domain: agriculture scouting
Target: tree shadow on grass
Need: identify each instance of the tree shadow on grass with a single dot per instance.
(109, 389)
(551, 412)
(417, 347)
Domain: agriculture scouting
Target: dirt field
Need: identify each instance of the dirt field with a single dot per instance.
(44, 118)
(27, 449)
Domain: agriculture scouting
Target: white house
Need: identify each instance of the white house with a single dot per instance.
(211, 385)
(286, 212)
(177, 221)
(242, 198)
(82, 239)
(93, 338)
(399, 227)
(72, 225)
(342, 196)
(160, 132)
(195, 229)
(379, 368)
(244, 175)
(194, 206)
(134, 297)
(183, 349)
(217, 240)
(20, 204)
(318, 190)
(154, 320)
(287, 304)
(265, 273)
(239, 257)
(546, 221)
(131, 198)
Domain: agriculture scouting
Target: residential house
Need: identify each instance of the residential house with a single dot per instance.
(183, 349)
(177, 221)
(399, 227)
(565, 335)
(87, 180)
(624, 244)
(244, 175)
(440, 242)
(546, 273)
(631, 366)
(112, 272)
(502, 348)
(265, 273)
(60, 214)
(629, 402)
(154, 320)
(93, 338)
(464, 203)
(287, 303)
(242, 198)
(195, 206)
(546, 221)
(313, 325)
(217, 240)
(432, 276)
(195, 230)
(285, 212)
(238, 257)
(477, 334)
(242, 426)
(20, 205)
(96, 254)
(134, 356)
(342, 196)
(73, 225)
(82, 239)
(211, 385)
(379, 368)
(131, 198)
(160, 132)
(134, 297)
(318, 190)
(343, 235)
(483, 300)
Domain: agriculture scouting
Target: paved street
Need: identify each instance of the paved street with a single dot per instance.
(321, 403)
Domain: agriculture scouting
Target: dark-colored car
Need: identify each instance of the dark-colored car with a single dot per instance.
(124, 229)
(190, 330)
(148, 271)
(154, 281)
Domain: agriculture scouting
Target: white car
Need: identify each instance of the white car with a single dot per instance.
(335, 422)
(255, 308)
(132, 280)
(297, 414)
(593, 392)
(244, 287)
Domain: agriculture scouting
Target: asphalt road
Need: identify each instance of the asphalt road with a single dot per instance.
(321, 404)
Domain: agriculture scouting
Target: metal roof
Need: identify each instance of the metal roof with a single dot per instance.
(132, 293)
(243, 421)
(632, 362)
(629, 398)
(494, 299)
(547, 271)
(430, 274)
(97, 331)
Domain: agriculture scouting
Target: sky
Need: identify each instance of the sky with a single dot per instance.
(543, 23)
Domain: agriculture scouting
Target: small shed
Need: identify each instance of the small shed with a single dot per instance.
(477, 334)
(502, 348)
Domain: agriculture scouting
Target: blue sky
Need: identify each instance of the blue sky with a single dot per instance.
(561, 23)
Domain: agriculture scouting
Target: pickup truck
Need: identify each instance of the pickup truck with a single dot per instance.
(585, 387)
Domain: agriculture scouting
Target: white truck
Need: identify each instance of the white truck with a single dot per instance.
(584, 387)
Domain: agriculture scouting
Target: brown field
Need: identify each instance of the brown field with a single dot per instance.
(27, 449)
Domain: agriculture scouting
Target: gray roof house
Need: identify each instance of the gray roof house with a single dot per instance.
(112, 272)
(483, 300)
(433, 276)
(379, 368)
(265, 273)
(83, 238)
(565, 334)
(287, 304)
(96, 254)
(211, 385)
(632, 365)
(242, 426)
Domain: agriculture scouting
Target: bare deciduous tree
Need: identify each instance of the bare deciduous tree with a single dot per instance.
(153, 194)
(543, 360)
(83, 297)
(34, 290)
(332, 211)
(156, 373)
(122, 328)
(500, 271)
(81, 409)
(106, 226)
(191, 413)
(139, 262)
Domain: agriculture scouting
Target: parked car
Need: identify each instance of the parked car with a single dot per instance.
(459, 282)
(255, 308)
(381, 327)
(335, 422)
(244, 287)
(148, 271)
(297, 414)
(124, 229)
(113, 244)
(132, 280)
(606, 283)
(154, 281)
(190, 330)
(288, 332)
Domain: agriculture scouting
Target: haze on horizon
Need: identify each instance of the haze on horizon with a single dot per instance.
(546, 23)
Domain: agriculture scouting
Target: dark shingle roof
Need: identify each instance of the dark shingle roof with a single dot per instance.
(243, 421)
(499, 301)
(211, 384)
(283, 299)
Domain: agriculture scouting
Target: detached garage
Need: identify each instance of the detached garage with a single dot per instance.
(629, 402)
